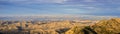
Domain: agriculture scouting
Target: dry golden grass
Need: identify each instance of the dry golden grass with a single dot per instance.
(111, 26)
(64, 27)
(58, 27)
(76, 30)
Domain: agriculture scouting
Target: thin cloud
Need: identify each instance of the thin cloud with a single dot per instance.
(89, 1)
(75, 5)
(35, 1)
(61, 6)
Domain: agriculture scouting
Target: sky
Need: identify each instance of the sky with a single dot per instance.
(59, 7)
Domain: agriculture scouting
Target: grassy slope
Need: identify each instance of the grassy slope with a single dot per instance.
(111, 26)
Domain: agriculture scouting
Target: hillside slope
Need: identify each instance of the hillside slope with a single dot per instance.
(111, 26)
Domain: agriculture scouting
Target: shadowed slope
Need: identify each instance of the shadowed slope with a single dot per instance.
(111, 26)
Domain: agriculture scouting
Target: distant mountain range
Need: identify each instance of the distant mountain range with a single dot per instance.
(67, 17)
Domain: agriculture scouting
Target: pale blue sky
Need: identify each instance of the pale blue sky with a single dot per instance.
(59, 7)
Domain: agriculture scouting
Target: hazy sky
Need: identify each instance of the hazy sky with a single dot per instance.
(59, 7)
